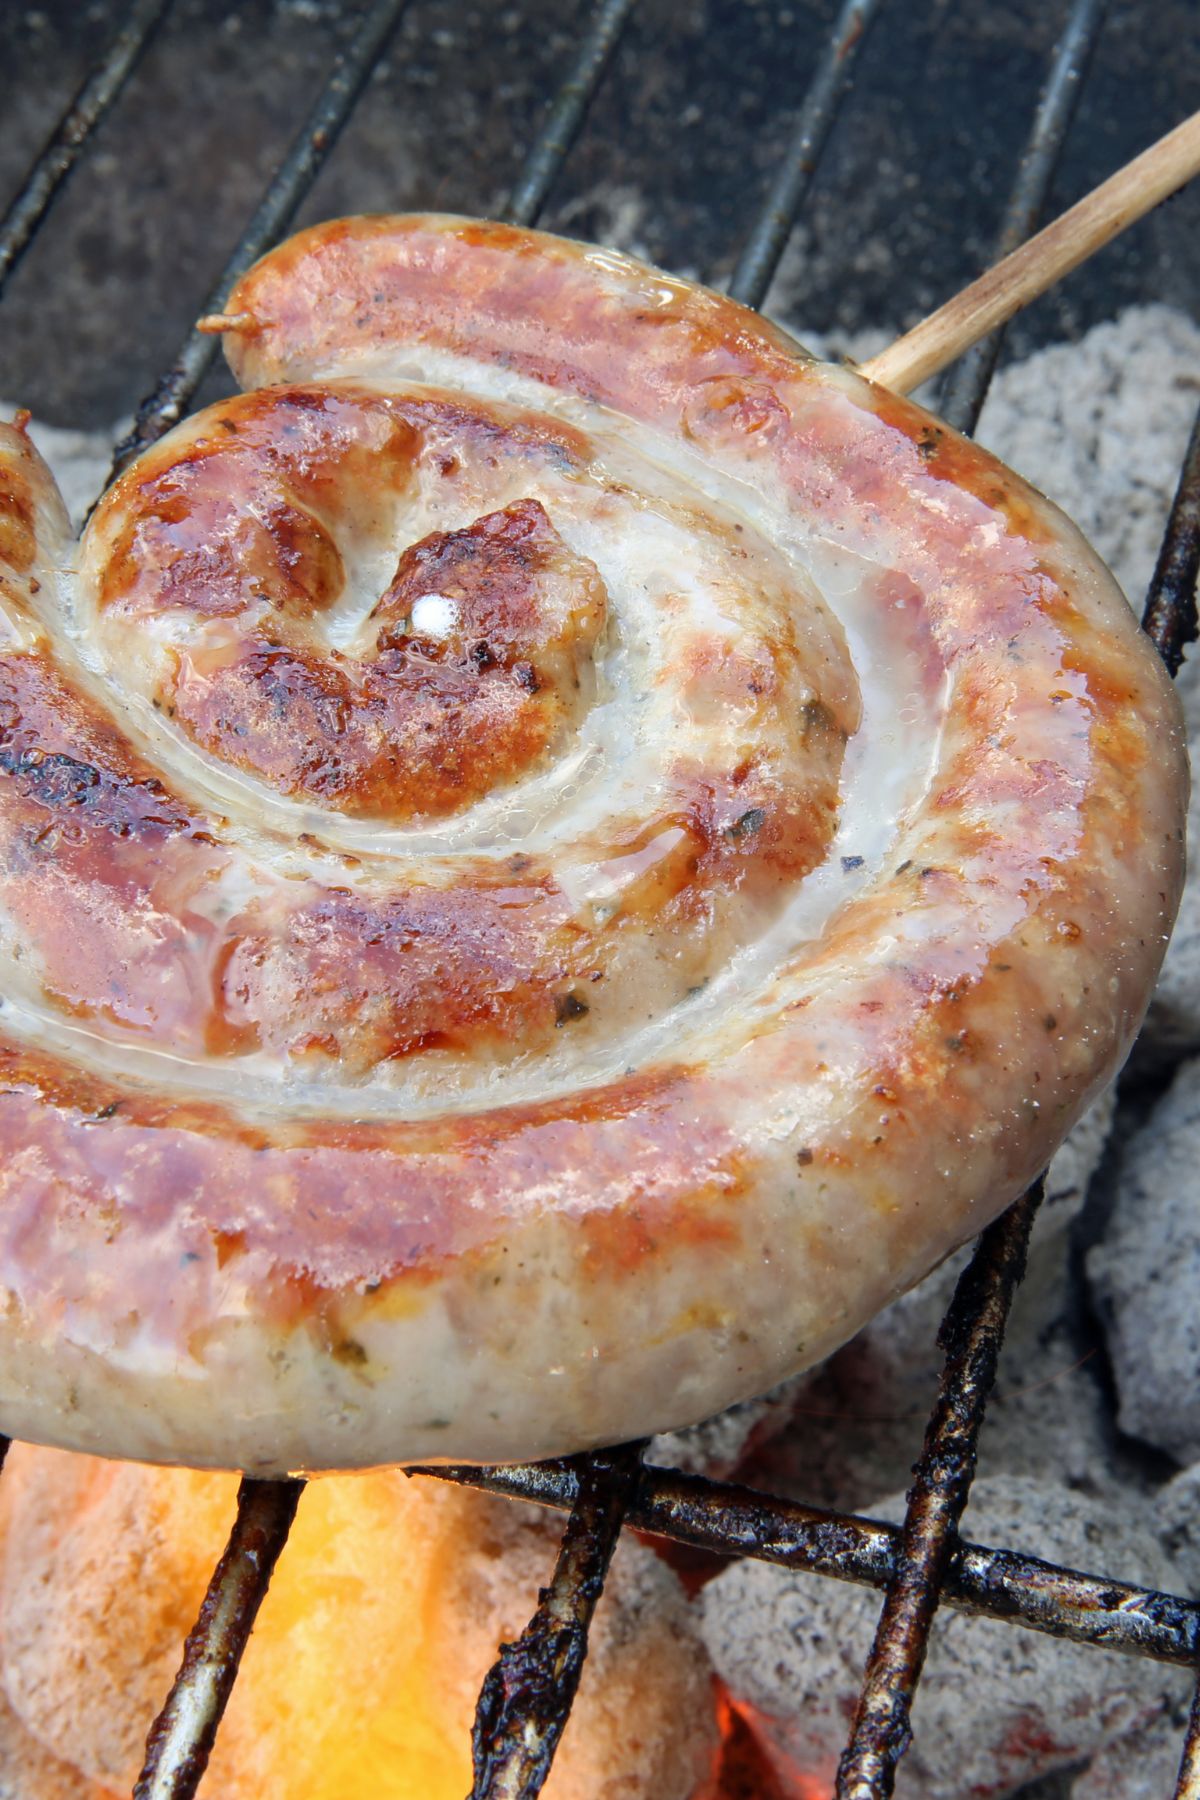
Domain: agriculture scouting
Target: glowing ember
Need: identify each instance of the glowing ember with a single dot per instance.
(361, 1676)
(748, 1766)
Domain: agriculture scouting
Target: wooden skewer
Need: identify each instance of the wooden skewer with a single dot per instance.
(1038, 264)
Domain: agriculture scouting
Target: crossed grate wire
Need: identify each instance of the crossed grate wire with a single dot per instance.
(919, 1565)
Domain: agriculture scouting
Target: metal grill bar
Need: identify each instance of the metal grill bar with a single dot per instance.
(971, 1335)
(287, 188)
(550, 148)
(1169, 620)
(973, 1330)
(527, 1694)
(1187, 1787)
(770, 232)
(1170, 616)
(181, 1738)
(962, 396)
(62, 149)
(730, 1520)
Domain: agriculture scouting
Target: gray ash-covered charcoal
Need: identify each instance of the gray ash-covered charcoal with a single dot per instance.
(997, 1707)
(1145, 1275)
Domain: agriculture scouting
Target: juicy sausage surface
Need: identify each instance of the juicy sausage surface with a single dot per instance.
(555, 855)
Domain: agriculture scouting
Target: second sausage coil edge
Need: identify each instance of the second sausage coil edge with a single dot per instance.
(556, 854)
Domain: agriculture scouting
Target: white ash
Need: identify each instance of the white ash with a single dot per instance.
(617, 214)
(1173, 1024)
(998, 1706)
(857, 1420)
(1142, 1766)
(1177, 1506)
(1047, 1412)
(1101, 428)
(1145, 1275)
(1149, 1772)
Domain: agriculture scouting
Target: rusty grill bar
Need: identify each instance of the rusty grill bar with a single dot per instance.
(527, 1696)
(70, 135)
(771, 229)
(1003, 1584)
(528, 1691)
(1170, 615)
(310, 148)
(553, 142)
(182, 1736)
(971, 1335)
(964, 391)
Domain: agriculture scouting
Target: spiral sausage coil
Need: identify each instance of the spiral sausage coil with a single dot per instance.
(557, 853)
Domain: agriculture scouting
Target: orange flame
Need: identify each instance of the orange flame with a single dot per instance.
(360, 1679)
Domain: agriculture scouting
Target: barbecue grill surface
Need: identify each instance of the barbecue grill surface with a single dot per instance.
(694, 113)
(691, 120)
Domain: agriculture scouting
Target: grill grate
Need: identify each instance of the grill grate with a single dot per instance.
(525, 1702)
(181, 1738)
(771, 229)
(72, 132)
(962, 397)
(549, 150)
(173, 394)
(1170, 615)
(527, 1693)
(971, 1335)
(1003, 1584)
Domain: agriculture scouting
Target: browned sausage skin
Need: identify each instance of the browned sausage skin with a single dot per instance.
(556, 854)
